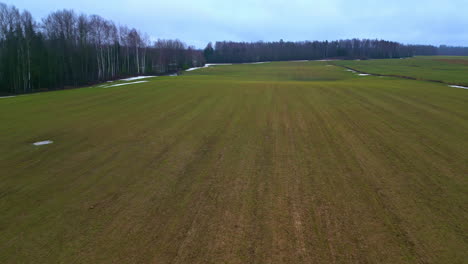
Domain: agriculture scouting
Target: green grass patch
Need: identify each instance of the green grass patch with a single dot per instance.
(449, 69)
(288, 162)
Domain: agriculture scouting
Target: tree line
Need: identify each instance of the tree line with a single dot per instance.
(241, 52)
(67, 49)
(452, 51)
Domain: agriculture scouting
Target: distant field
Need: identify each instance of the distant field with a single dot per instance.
(449, 69)
(288, 162)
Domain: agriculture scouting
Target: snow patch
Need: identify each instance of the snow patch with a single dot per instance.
(194, 68)
(208, 65)
(458, 86)
(7, 96)
(217, 64)
(363, 74)
(45, 142)
(136, 78)
(258, 62)
(120, 84)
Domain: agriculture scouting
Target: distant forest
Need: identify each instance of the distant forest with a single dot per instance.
(239, 52)
(67, 50)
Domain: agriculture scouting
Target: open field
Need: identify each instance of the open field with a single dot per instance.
(288, 162)
(448, 69)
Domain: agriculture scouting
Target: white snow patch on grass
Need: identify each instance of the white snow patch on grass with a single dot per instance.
(208, 65)
(458, 86)
(121, 84)
(136, 78)
(7, 96)
(194, 68)
(216, 64)
(258, 62)
(363, 74)
(45, 142)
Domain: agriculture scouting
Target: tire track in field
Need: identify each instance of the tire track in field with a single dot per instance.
(336, 136)
(398, 76)
(145, 185)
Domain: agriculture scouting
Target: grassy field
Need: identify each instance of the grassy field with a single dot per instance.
(288, 162)
(448, 69)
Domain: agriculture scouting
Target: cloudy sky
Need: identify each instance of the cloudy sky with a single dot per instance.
(197, 22)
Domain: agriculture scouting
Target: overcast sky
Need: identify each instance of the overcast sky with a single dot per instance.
(196, 22)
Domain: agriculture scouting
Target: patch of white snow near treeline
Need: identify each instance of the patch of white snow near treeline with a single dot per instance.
(258, 62)
(136, 78)
(363, 74)
(7, 96)
(194, 68)
(216, 64)
(458, 86)
(208, 65)
(121, 84)
(45, 142)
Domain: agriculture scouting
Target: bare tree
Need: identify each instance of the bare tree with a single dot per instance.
(67, 49)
